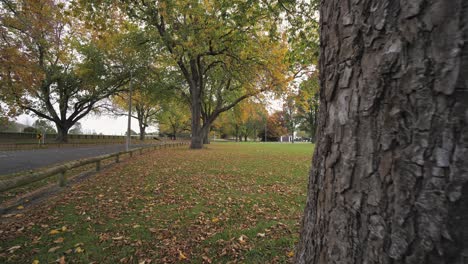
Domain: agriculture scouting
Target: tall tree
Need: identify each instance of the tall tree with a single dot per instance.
(44, 126)
(275, 127)
(389, 179)
(227, 51)
(307, 103)
(145, 108)
(48, 66)
(290, 114)
(174, 117)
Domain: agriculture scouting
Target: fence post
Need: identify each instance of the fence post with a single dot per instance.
(131, 154)
(61, 178)
(117, 158)
(98, 165)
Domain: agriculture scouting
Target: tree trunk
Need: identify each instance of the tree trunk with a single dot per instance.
(142, 132)
(197, 135)
(245, 138)
(174, 132)
(389, 179)
(62, 133)
(206, 134)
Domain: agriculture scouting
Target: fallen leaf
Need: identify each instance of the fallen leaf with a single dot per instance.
(215, 220)
(7, 215)
(118, 238)
(290, 254)
(182, 256)
(243, 239)
(13, 248)
(52, 250)
(136, 226)
(64, 228)
(35, 261)
(153, 230)
(206, 259)
(20, 207)
(54, 232)
(61, 260)
(59, 240)
(78, 250)
(261, 235)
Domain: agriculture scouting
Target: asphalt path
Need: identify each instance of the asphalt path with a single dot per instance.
(22, 160)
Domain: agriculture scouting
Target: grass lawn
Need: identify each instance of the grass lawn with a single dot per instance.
(231, 202)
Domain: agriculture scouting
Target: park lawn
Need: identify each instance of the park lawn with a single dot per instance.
(230, 202)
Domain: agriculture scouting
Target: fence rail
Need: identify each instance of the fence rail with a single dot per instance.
(11, 181)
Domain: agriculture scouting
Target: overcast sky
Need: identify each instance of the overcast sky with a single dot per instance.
(105, 124)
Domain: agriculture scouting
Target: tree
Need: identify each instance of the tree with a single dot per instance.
(77, 129)
(389, 179)
(290, 114)
(257, 114)
(145, 108)
(44, 126)
(226, 51)
(307, 103)
(49, 67)
(174, 117)
(276, 127)
(30, 130)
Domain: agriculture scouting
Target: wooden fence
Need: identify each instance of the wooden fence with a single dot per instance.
(8, 182)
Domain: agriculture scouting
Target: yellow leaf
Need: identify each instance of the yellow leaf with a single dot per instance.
(182, 256)
(20, 207)
(136, 226)
(64, 228)
(290, 254)
(215, 220)
(35, 261)
(78, 250)
(54, 232)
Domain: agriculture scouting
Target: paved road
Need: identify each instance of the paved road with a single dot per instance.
(16, 161)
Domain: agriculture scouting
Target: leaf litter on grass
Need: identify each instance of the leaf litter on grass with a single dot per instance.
(228, 203)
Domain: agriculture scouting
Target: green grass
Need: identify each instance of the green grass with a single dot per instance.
(174, 205)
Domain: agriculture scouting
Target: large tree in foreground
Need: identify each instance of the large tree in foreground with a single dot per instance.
(389, 182)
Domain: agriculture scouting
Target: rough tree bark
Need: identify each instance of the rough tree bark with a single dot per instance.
(389, 179)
